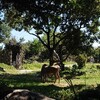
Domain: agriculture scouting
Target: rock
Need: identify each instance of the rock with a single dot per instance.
(24, 94)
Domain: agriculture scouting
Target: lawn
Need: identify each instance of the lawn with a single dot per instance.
(14, 79)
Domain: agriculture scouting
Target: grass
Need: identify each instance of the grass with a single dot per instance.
(8, 69)
(13, 79)
(90, 76)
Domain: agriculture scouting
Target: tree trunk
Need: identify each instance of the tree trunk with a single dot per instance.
(10, 56)
(61, 58)
(51, 57)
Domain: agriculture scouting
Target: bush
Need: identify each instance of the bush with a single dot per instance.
(81, 60)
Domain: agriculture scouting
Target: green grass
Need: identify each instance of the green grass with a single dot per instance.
(8, 69)
(13, 79)
(11, 70)
(90, 76)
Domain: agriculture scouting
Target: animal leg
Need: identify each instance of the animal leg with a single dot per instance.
(55, 78)
(58, 76)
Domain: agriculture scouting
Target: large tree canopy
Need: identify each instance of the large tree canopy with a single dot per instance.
(58, 20)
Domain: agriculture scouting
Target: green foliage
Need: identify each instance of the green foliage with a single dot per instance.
(97, 54)
(74, 69)
(81, 60)
(71, 17)
(36, 47)
(34, 51)
(4, 31)
(64, 94)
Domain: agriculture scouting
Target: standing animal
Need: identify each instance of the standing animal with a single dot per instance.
(47, 71)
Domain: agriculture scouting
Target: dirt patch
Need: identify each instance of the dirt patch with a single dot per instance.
(25, 71)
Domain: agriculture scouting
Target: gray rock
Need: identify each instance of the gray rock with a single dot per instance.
(24, 94)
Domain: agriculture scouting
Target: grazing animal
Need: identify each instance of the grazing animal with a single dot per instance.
(47, 71)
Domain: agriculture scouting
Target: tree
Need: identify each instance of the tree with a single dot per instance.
(4, 31)
(47, 17)
(35, 48)
(97, 54)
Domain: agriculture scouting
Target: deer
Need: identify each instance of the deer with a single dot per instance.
(47, 71)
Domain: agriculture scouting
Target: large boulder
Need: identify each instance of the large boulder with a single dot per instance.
(24, 94)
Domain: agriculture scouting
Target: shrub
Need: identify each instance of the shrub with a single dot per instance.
(81, 60)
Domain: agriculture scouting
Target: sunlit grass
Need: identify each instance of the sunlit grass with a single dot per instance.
(33, 66)
(12, 70)
(91, 75)
(8, 69)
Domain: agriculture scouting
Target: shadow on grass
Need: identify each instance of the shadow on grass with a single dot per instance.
(20, 78)
(89, 93)
(30, 81)
(33, 83)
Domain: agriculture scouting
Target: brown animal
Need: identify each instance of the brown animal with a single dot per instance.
(47, 71)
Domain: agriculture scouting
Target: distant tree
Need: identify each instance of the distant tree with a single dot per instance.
(97, 54)
(26, 50)
(47, 17)
(4, 31)
(34, 49)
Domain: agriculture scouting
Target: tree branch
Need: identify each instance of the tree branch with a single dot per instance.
(38, 38)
